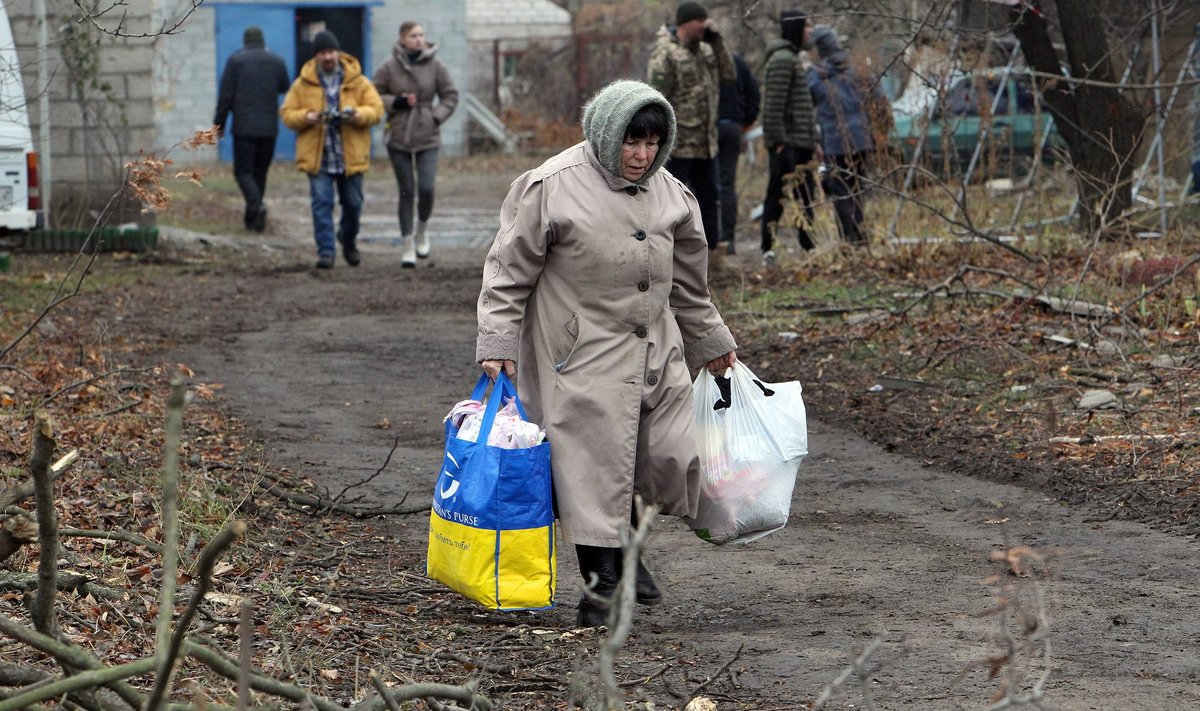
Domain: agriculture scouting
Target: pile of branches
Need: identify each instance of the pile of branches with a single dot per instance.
(83, 680)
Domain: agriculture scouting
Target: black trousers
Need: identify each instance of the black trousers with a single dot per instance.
(700, 175)
(729, 145)
(782, 165)
(844, 186)
(251, 160)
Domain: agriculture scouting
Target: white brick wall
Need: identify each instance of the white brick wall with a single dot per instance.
(185, 87)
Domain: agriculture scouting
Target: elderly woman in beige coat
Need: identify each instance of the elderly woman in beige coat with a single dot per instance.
(419, 95)
(596, 291)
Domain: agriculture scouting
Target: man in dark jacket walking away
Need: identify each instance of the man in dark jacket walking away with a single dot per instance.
(790, 130)
(250, 87)
(736, 113)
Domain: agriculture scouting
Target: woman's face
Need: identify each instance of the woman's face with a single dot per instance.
(637, 155)
(414, 39)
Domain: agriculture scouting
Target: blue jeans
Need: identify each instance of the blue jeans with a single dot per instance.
(350, 194)
(402, 165)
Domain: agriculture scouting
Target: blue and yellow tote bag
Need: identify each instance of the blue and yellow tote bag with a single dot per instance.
(491, 532)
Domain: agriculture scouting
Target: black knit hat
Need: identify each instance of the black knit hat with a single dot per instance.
(325, 40)
(688, 11)
(791, 26)
(252, 37)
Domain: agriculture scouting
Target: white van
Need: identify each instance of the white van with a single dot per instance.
(20, 196)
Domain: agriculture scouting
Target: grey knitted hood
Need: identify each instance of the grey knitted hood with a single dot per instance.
(607, 115)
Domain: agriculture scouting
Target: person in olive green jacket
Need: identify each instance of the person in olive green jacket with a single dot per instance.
(790, 131)
(331, 107)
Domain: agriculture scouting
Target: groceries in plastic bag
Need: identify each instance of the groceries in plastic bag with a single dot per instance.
(509, 430)
(752, 437)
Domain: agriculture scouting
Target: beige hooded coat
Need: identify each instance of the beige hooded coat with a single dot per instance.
(597, 288)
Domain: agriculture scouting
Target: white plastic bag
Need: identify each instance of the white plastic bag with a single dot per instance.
(752, 440)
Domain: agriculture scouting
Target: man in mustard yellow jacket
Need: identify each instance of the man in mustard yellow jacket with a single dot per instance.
(331, 106)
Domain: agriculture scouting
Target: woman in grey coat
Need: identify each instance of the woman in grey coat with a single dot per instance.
(596, 289)
(419, 96)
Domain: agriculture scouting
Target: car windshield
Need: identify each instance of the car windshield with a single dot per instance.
(966, 98)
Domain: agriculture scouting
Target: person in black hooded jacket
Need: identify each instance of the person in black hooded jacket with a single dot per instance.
(253, 79)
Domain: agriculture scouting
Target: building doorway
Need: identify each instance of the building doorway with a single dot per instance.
(346, 23)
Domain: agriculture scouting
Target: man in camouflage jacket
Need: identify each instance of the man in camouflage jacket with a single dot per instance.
(790, 130)
(688, 64)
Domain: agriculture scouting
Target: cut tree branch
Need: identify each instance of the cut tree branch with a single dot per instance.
(170, 527)
(42, 611)
(16, 532)
(620, 614)
(208, 558)
(23, 491)
(77, 682)
(69, 653)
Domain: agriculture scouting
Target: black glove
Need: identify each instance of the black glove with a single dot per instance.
(400, 103)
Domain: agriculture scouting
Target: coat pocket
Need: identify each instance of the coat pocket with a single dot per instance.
(565, 348)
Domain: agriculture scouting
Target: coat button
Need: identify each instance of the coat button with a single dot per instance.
(639, 235)
(653, 380)
(641, 332)
(631, 190)
(643, 286)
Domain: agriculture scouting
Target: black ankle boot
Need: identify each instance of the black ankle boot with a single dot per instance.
(647, 592)
(602, 562)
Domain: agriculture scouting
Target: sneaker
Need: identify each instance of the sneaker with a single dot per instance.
(769, 258)
(351, 255)
(325, 261)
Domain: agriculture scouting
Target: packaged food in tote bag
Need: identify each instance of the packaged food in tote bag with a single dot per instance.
(752, 437)
(491, 531)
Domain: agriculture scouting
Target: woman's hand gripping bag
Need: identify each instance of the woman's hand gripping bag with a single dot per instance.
(752, 438)
(491, 531)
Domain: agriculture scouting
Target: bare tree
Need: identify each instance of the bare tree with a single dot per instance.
(1097, 122)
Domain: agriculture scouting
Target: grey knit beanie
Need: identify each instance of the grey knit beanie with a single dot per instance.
(826, 41)
(606, 118)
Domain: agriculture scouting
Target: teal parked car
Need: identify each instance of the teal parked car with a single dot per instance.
(960, 117)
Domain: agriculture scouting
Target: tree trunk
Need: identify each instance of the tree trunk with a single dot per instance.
(1101, 127)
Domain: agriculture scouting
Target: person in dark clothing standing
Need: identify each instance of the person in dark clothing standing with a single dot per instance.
(737, 110)
(845, 130)
(790, 129)
(254, 78)
(688, 64)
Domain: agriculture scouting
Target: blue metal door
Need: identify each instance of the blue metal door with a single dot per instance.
(278, 25)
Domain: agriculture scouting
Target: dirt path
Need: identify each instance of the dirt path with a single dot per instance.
(331, 369)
